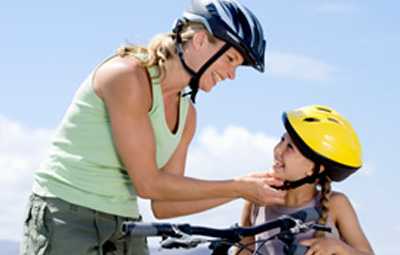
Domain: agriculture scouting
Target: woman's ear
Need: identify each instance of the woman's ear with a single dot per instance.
(199, 39)
(321, 168)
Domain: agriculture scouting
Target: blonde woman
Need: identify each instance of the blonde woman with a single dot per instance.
(318, 147)
(127, 132)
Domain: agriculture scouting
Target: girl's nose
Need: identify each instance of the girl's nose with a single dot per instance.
(278, 151)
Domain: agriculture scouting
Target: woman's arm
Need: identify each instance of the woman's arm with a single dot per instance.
(176, 165)
(125, 89)
(353, 240)
(169, 209)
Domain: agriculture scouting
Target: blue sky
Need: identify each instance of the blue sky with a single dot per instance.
(340, 53)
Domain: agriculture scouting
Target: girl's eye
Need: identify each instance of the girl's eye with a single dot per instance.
(230, 58)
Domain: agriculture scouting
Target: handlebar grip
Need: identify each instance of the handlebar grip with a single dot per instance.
(147, 229)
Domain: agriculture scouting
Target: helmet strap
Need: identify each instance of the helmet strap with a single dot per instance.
(179, 48)
(195, 76)
(306, 180)
(194, 81)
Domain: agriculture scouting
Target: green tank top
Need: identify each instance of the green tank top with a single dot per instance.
(83, 166)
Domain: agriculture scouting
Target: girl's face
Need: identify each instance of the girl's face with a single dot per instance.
(289, 163)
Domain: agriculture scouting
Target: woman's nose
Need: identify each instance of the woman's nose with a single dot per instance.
(232, 74)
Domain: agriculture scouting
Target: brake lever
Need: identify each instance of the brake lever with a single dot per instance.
(181, 240)
(187, 243)
(320, 227)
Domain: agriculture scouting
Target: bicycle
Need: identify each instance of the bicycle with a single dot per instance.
(221, 240)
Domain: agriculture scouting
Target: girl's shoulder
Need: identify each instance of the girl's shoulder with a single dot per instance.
(338, 197)
(339, 204)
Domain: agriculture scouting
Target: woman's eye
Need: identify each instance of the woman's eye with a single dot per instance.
(230, 59)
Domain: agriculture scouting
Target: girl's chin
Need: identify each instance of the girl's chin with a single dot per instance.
(277, 174)
(277, 170)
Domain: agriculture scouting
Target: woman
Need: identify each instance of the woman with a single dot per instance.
(127, 132)
(319, 147)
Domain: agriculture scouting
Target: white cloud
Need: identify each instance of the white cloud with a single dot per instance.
(216, 154)
(231, 152)
(21, 150)
(299, 67)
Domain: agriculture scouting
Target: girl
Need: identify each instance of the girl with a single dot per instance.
(319, 147)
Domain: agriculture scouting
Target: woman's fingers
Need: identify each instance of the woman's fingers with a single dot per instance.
(272, 196)
(259, 189)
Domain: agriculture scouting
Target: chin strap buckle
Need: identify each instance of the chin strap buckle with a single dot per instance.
(294, 184)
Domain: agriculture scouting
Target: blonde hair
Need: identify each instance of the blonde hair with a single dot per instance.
(326, 188)
(162, 47)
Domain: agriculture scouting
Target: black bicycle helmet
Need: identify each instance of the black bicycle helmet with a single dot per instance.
(230, 22)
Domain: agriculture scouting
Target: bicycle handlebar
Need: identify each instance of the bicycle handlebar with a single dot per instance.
(285, 222)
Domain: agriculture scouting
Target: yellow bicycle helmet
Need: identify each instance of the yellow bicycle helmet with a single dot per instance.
(325, 137)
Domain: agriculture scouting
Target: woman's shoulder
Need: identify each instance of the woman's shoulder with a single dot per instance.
(120, 69)
(122, 76)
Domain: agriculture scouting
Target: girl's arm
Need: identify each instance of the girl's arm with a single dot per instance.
(349, 227)
(245, 221)
(353, 241)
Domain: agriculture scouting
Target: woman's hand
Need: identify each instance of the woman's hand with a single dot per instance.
(259, 189)
(324, 246)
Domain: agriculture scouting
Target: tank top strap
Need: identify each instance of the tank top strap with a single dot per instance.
(154, 74)
(254, 209)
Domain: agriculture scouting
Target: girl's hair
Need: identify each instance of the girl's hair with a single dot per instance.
(162, 47)
(325, 185)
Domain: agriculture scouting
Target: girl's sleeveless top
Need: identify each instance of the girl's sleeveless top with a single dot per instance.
(260, 215)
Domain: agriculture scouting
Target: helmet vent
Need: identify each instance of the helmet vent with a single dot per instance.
(324, 109)
(334, 120)
(311, 119)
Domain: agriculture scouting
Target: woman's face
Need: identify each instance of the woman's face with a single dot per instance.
(289, 163)
(223, 68)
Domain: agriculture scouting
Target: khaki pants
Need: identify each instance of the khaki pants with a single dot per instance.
(54, 226)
